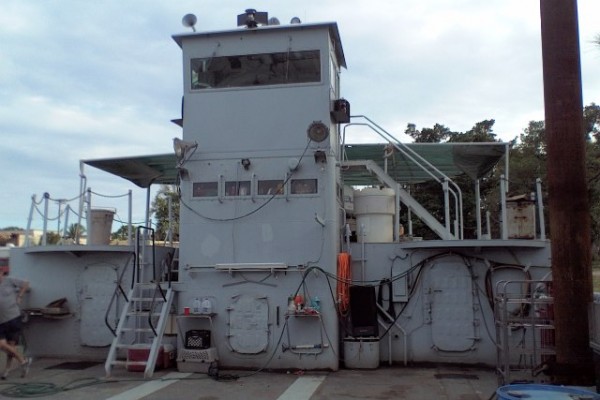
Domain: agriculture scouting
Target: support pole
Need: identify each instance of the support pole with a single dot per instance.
(567, 187)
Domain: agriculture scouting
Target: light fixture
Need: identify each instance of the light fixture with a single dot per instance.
(317, 131)
(181, 148)
(246, 163)
(189, 20)
(252, 18)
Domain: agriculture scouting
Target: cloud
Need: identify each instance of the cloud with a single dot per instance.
(85, 80)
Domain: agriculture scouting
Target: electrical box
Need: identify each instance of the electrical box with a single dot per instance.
(520, 215)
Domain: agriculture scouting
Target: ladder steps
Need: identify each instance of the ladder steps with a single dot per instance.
(142, 313)
(156, 299)
(137, 346)
(134, 320)
(137, 330)
(118, 362)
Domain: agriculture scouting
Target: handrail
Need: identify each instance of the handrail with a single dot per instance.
(421, 162)
(158, 288)
(118, 289)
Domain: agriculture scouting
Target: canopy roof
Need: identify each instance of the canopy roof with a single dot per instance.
(141, 170)
(452, 159)
(474, 159)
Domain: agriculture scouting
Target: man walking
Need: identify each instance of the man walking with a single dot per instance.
(11, 294)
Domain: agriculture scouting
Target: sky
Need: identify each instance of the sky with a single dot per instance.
(84, 80)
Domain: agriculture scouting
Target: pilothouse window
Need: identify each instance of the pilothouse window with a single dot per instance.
(304, 186)
(235, 188)
(205, 189)
(270, 187)
(256, 69)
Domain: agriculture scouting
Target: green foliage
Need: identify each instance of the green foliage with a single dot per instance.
(160, 208)
(74, 229)
(51, 238)
(430, 194)
(120, 234)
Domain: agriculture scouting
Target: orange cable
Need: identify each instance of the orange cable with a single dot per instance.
(344, 272)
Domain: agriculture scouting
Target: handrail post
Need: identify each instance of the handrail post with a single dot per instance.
(540, 204)
(45, 222)
(503, 207)
(29, 220)
(446, 205)
(129, 218)
(478, 208)
(88, 214)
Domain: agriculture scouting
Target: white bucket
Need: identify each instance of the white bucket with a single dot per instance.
(361, 353)
(100, 226)
(374, 209)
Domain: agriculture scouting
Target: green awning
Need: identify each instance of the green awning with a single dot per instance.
(142, 170)
(452, 159)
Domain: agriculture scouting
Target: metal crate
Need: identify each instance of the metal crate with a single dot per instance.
(198, 355)
(189, 360)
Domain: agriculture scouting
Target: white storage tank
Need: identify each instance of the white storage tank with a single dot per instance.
(100, 226)
(374, 209)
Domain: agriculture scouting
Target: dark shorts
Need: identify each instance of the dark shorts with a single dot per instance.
(11, 330)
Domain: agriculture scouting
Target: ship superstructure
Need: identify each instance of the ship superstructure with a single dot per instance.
(292, 253)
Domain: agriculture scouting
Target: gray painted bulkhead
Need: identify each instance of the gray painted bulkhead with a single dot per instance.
(266, 125)
(86, 277)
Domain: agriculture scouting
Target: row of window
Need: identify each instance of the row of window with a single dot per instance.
(256, 69)
(267, 187)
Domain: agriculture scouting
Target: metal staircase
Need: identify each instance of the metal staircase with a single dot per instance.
(141, 327)
(442, 231)
(450, 188)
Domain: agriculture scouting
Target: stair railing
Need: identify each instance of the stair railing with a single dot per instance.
(425, 165)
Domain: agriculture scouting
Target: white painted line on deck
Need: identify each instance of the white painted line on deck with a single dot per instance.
(303, 388)
(150, 387)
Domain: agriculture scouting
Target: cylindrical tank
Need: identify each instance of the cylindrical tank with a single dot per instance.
(374, 210)
(100, 226)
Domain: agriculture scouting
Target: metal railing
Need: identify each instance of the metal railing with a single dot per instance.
(448, 186)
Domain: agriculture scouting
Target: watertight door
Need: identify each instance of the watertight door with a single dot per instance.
(452, 315)
(249, 324)
(97, 285)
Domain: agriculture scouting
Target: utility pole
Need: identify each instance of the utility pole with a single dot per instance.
(568, 198)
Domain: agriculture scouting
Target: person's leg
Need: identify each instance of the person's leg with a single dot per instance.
(11, 350)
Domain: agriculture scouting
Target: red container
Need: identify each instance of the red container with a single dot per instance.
(165, 359)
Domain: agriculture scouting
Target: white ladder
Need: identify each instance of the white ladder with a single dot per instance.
(134, 331)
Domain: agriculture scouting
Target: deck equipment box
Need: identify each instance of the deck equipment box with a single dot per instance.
(166, 357)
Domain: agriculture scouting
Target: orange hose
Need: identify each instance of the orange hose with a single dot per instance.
(344, 272)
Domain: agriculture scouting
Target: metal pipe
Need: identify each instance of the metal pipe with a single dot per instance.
(29, 220)
(45, 222)
(504, 226)
(446, 206)
(129, 218)
(540, 205)
(478, 208)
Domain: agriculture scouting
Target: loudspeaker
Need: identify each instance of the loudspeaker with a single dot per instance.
(363, 311)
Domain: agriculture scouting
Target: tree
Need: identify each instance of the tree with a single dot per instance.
(160, 208)
(121, 233)
(437, 134)
(74, 230)
(430, 195)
